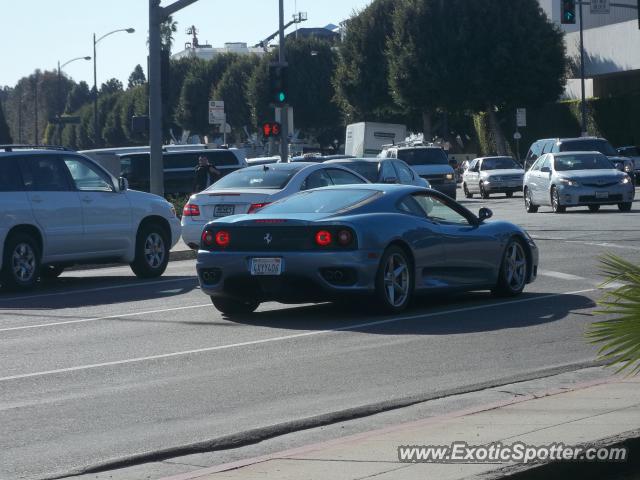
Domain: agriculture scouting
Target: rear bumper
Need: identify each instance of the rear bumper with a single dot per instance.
(191, 233)
(304, 275)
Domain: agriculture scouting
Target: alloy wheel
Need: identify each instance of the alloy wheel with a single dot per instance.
(515, 266)
(23, 262)
(154, 250)
(396, 280)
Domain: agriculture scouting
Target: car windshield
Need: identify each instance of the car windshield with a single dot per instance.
(499, 163)
(601, 146)
(320, 201)
(582, 162)
(424, 156)
(368, 170)
(262, 177)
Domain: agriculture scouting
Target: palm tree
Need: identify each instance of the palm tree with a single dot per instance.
(167, 29)
(619, 336)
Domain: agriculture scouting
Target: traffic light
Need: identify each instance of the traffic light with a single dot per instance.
(568, 12)
(271, 129)
(278, 85)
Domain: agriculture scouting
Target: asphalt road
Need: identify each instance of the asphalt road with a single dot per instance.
(99, 366)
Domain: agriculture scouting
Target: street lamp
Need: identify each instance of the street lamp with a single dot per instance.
(59, 109)
(95, 78)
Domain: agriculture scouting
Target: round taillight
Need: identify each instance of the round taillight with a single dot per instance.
(207, 238)
(323, 238)
(344, 237)
(223, 238)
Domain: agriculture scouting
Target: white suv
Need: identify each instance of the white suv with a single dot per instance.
(59, 208)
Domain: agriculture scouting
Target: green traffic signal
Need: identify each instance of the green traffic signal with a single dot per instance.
(281, 97)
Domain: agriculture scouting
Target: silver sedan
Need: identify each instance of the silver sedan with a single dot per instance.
(489, 175)
(572, 179)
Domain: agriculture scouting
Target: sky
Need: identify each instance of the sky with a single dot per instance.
(39, 33)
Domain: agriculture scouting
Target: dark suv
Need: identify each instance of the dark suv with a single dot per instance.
(578, 144)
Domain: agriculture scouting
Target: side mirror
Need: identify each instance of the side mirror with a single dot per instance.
(390, 180)
(545, 170)
(484, 214)
(123, 184)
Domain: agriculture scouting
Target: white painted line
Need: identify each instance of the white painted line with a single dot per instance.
(606, 244)
(99, 289)
(287, 337)
(95, 319)
(561, 275)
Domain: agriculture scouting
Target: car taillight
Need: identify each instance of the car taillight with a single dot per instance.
(223, 238)
(207, 238)
(191, 210)
(345, 237)
(257, 206)
(323, 238)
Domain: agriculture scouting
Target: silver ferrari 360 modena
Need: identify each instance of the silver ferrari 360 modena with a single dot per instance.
(387, 242)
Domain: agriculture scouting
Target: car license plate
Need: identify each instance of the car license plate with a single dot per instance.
(223, 210)
(266, 266)
(602, 195)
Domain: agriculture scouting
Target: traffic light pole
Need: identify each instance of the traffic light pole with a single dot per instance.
(284, 113)
(583, 104)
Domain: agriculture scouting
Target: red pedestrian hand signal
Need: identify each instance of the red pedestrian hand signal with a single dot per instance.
(271, 129)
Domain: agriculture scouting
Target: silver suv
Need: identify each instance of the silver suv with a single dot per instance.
(431, 163)
(59, 208)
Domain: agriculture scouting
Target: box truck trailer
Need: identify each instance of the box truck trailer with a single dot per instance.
(365, 139)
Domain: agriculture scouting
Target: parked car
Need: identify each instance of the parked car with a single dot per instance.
(179, 168)
(383, 243)
(383, 170)
(579, 144)
(576, 179)
(632, 153)
(60, 208)
(431, 163)
(487, 175)
(252, 188)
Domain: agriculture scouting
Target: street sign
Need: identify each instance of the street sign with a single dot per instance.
(600, 6)
(216, 112)
(521, 117)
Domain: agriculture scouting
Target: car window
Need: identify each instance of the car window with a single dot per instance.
(581, 162)
(472, 165)
(404, 173)
(180, 160)
(499, 163)
(409, 205)
(342, 177)
(88, 177)
(255, 177)
(548, 146)
(317, 179)
(321, 201)
(10, 177)
(368, 170)
(220, 158)
(423, 156)
(45, 174)
(595, 145)
(387, 171)
(536, 166)
(546, 162)
(437, 210)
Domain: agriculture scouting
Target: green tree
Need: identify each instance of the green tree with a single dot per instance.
(78, 96)
(112, 85)
(5, 135)
(361, 76)
(619, 337)
(167, 29)
(137, 77)
(232, 89)
(258, 92)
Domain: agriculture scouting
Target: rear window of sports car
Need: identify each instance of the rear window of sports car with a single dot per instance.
(321, 201)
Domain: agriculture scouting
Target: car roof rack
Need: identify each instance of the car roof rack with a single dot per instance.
(12, 147)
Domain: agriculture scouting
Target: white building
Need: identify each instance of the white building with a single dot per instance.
(611, 46)
(207, 52)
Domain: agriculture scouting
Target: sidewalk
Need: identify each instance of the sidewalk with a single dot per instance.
(181, 251)
(587, 414)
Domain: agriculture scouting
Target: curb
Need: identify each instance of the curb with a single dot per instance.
(174, 256)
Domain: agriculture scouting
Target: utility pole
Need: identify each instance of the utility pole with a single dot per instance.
(284, 111)
(157, 15)
(35, 111)
(583, 105)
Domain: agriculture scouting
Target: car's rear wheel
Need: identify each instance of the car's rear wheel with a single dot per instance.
(152, 251)
(625, 207)
(232, 306)
(466, 191)
(594, 208)
(21, 262)
(555, 201)
(528, 202)
(483, 191)
(50, 272)
(513, 270)
(394, 280)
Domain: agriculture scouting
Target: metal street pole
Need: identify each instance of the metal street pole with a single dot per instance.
(583, 105)
(59, 109)
(35, 101)
(157, 15)
(284, 115)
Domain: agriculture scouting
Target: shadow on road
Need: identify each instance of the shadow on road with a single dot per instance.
(468, 313)
(74, 292)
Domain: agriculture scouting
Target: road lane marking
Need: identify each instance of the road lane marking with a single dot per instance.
(561, 275)
(95, 319)
(100, 289)
(287, 337)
